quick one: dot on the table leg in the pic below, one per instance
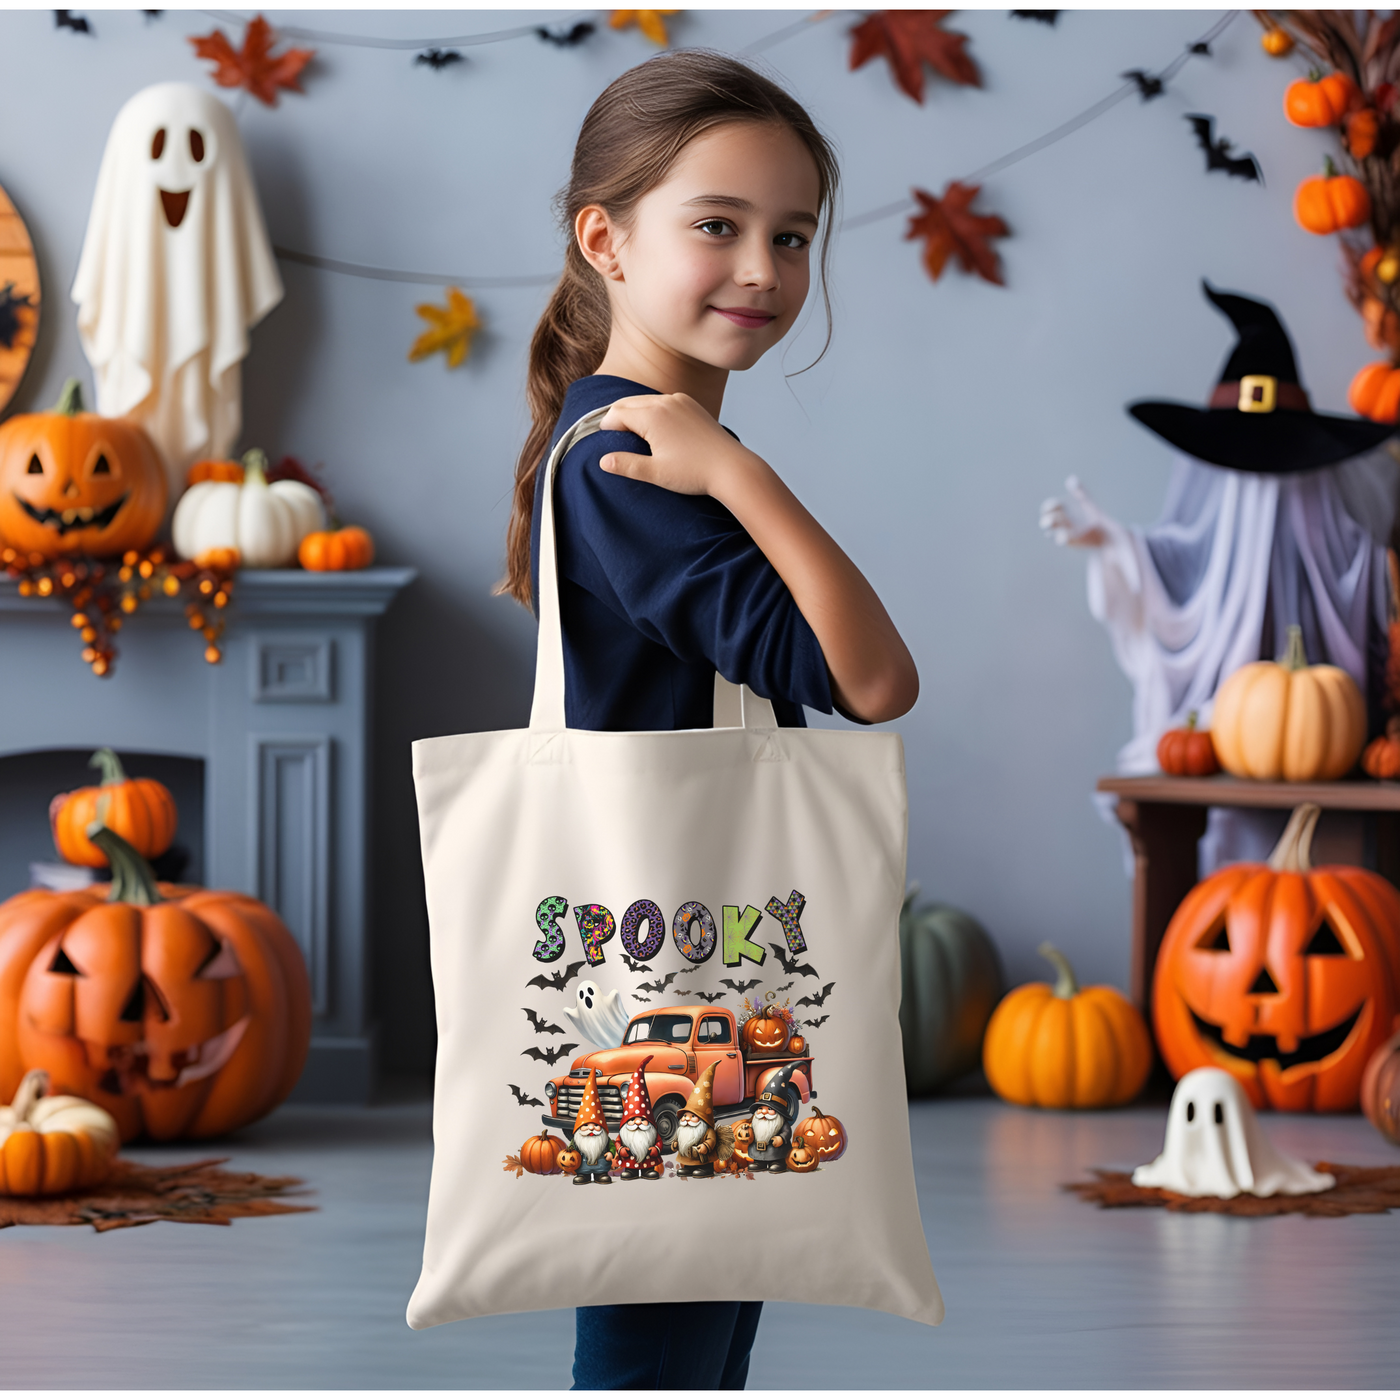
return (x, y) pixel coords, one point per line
(1164, 837)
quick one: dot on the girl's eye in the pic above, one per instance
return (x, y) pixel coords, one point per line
(792, 240)
(717, 227)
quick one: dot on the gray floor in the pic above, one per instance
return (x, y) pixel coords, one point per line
(1042, 1291)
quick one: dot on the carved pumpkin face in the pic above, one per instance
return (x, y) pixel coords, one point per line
(766, 1033)
(743, 1134)
(76, 483)
(184, 1018)
(802, 1159)
(1285, 976)
(569, 1160)
(823, 1135)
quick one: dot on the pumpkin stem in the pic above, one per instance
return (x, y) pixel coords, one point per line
(1294, 850)
(111, 766)
(1328, 169)
(1294, 657)
(1191, 717)
(255, 466)
(133, 881)
(32, 1088)
(70, 401)
(1065, 985)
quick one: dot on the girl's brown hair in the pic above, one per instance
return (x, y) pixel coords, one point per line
(626, 147)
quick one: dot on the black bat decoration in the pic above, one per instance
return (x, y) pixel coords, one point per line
(1148, 87)
(438, 59)
(1218, 156)
(814, 1024)
(739, 988)
(820, 998)
(10, 306)
(66, 19)
(784, 987)
(566, 38)
(635, 966)
(541, 1026)
(557, 980)
(710, 997)
(635, 997)
(791, 964)
(1040, 16)
(658, 986)
(549, 1056)
(1200, 48)
(522, 1098)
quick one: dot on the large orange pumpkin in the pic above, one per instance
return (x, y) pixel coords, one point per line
(1330, 202)
(140, 810)
(182, 1012)
(1319, 101)
(1286, 976)
(76, 483)
(766, 1033)
(1375, 390)
(823, 1134)
(540, 1155)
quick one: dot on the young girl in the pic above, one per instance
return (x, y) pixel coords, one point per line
(697, 192)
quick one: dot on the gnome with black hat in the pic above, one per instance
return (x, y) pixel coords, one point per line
(1276, 515)
(772, 1116)
(591, 1137)
(638, 1151)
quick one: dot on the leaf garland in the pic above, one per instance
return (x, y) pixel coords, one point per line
(650, 22)
(909, 39)
(949, 227)
(450, 328)
(254, 66)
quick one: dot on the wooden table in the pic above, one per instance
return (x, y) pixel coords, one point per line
(1165, 818)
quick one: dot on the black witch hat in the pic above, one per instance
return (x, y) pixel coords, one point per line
(1259, 418)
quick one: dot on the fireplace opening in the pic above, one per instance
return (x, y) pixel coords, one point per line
(29, 781)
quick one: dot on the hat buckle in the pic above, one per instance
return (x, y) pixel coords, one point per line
(1258, 393)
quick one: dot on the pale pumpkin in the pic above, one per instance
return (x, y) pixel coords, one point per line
(1287, 720)
(52, 1145)
(265, 522)
(1063, 1047)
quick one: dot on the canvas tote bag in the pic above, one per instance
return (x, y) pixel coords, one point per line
(667, 921)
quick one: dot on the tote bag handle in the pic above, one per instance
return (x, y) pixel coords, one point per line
(736, 707)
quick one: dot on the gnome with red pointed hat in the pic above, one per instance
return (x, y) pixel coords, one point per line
(638, 1150)
(591, 1137)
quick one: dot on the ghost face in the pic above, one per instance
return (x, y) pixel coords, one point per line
(589, 995)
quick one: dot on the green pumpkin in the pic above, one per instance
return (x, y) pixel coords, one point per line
(951, 978)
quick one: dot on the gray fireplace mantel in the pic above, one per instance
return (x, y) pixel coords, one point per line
(282, 727)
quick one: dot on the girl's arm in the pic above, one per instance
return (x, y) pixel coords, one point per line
(873, 677)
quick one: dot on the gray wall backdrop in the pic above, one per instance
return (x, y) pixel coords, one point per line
(925, 440)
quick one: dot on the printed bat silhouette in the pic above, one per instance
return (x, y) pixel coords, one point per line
(635, 966)
(784, 987)
(66, 19)
(566, 38)
(635, 997)
(812, 1025)
(522, 1098)
(1148, 87)
(820, 997)
(549, 1056)
(541, 1026)
(1218, 157)
(658, 986)
(1040, 16)
(739, 988)
(711, 997)
(438, 59)
(557, 980)
(791, 964)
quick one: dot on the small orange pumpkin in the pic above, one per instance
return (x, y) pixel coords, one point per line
(1360, 132)
(802, 1159)
(743, 1140)
(222, 559)
(1331, 202)
(50, 1146)
(215, 471)
(1375, 391)
(1320, 101)
(1277, 43)
(568, 1160)
(333, 551)
(540, 1155)
(1380, 1089)
(140, 810)
(1382, 756)
(1188, 752)
(797, 1045)
(1381, 323)
(823, 1134)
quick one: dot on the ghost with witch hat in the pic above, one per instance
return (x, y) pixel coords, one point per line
(638, 1150)
(591, 1137)
(1276, 515)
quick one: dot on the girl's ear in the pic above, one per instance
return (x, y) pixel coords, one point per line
(598, 240)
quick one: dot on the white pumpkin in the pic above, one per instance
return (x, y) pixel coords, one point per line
(265, 522)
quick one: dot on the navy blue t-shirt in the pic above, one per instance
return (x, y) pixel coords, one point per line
(658, 591)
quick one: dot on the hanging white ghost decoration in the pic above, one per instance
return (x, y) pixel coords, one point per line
(599, 1017)
(175, 268)
(1215, 1146)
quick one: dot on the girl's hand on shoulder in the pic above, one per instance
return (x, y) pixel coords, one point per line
(690, 452)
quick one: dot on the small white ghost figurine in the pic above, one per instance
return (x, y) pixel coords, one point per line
(1215, 1146)
(175, 268)
(599, 1017)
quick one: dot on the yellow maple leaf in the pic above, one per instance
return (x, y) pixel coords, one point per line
(650, 22)
(450, 328)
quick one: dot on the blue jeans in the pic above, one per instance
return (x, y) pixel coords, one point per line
(664, 1346)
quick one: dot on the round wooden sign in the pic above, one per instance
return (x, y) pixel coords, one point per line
(19, 299)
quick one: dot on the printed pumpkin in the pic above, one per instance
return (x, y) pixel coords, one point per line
(823, 1135)
(140, 810)
(766, 1033)
(1284, 975)
(76, 483)
(540, 1155)
(181, 1012)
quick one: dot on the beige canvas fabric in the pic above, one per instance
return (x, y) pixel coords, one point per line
(541, 843)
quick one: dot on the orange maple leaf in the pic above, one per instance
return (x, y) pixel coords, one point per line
(650, 22)
(254, 66)
(949, 227)
(908, 39)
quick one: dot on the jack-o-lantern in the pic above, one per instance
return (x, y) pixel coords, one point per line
(802, 1158)
(182, 1012)
(1286, 976)
(797, 1045)
(76, 483)
(823, 1134)
(743, 1140)
(540, 1155)
(766, 1033)
(569, 1160)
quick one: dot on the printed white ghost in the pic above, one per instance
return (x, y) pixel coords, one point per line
(599, 1017)
(1215, 1146)
(175, 268)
